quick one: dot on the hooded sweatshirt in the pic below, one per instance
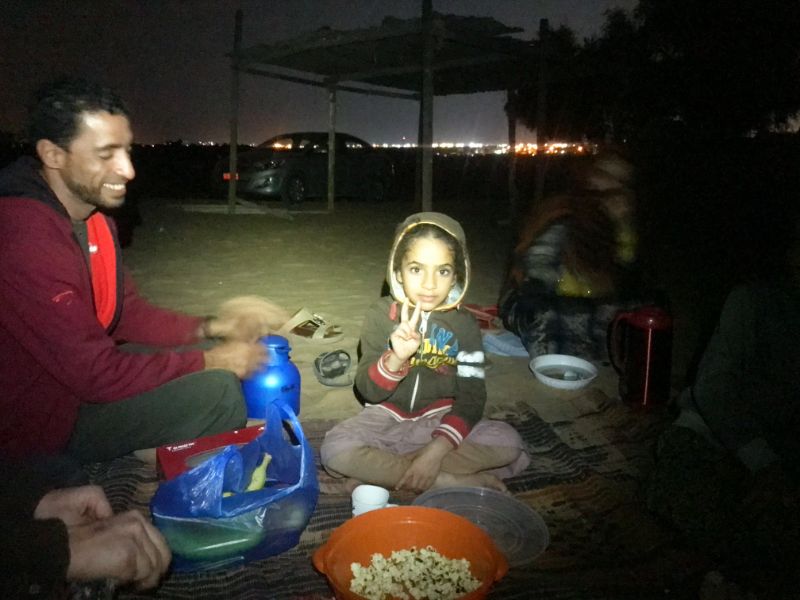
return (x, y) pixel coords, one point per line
(446, 376)
(59, 329)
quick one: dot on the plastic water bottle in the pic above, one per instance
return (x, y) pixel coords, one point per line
(277, 382)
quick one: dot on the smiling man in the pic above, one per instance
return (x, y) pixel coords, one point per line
(67, 305)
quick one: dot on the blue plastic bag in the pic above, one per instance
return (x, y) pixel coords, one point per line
(207, 529)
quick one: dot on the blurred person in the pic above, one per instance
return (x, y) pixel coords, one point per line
(68, 305)
(574, 264)
(55, 536)
(727, 471)
(421, 377)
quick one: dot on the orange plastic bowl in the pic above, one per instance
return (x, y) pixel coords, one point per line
(400, 528)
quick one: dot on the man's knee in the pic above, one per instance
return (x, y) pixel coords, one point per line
(223, 401)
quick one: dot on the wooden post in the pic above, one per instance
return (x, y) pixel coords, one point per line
(541, 111)
(234, 120)
(513, 191)
(426, 109)
(331, 146)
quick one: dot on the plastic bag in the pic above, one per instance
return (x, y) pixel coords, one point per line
(208, 529)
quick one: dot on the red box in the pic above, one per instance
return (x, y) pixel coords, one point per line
(174, 459)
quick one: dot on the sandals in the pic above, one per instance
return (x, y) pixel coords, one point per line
(331, 368)
(311, 327)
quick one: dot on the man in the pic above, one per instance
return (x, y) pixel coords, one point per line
(727, 474)
(51, 536)
(67, 304)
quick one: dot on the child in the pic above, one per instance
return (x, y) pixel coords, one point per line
(421, 377)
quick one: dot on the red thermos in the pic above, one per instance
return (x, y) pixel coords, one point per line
(640, 350)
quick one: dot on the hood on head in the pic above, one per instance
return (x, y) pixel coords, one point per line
(449, 225)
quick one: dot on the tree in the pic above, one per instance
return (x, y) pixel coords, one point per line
(714, 68)
(726, 68)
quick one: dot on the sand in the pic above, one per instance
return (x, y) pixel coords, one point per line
(331, 263)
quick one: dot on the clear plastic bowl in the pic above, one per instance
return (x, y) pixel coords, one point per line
(517, 530)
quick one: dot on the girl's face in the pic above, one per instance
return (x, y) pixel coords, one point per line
(427, 273)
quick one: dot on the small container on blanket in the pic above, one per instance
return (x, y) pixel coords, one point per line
(277, 383)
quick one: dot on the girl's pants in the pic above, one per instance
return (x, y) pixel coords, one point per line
(373, 446)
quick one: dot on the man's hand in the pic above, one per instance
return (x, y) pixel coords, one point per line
(74, 506)
(405, 338)
(425, 467)
(124, 547)
(246, 319)
(242, 358)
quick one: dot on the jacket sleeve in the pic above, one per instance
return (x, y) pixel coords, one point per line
(34, 553)
(374, 381)
(46, 305)
(470, 384)
(142, 322)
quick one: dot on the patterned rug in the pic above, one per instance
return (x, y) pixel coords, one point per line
(585, 481)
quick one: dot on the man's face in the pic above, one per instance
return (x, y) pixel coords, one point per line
(98, 161)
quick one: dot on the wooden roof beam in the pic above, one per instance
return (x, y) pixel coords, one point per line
(439, 66)
(328, 83)
(337, 39)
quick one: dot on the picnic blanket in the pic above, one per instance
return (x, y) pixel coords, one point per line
(585, 480)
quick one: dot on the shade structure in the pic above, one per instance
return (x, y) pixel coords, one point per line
(417, 59)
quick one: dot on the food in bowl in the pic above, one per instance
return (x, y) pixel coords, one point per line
(415, 574)
(401, 528)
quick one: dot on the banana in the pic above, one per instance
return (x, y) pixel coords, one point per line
(259, 477)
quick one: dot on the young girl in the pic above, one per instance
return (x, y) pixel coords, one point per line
(421, 377)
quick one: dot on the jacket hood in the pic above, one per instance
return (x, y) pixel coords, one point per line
(452, 227)
(23, 179)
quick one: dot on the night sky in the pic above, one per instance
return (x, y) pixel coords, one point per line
(167, 59)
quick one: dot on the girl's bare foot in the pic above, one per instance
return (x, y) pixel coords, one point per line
(445, 480)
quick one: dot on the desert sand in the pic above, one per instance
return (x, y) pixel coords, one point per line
(332, 263)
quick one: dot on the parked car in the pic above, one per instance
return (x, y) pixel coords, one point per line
(294, 167)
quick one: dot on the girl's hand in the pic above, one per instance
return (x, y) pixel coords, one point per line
(425, 467)
(405, 338)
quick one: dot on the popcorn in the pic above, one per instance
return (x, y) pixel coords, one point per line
(415, 574)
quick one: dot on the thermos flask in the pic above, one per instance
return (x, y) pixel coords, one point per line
(277, 382)
(640, 350)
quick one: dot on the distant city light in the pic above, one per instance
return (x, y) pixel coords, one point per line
(530, 149)
(526, 149)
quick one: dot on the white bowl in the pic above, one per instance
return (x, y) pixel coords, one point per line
(563, 371)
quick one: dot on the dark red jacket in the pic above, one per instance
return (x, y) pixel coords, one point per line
(54, 352)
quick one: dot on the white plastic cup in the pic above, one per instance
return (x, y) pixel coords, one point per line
(369, 497)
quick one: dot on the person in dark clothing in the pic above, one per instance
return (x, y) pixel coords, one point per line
(574, 264)
(727, 474)
(67, 304)
(52, 536)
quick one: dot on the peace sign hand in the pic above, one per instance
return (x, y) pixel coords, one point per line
(405, 338)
